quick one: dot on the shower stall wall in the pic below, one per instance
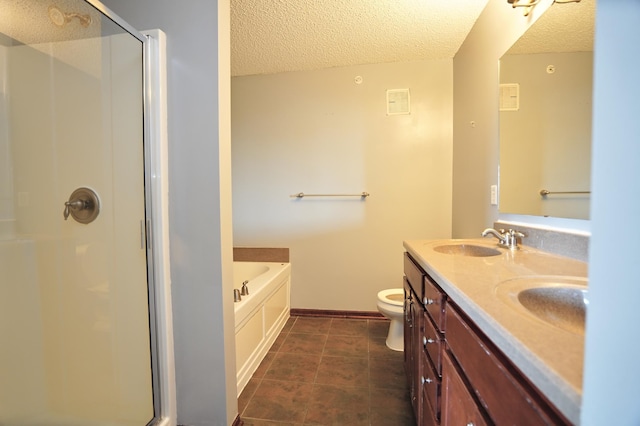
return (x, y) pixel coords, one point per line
(75, 323)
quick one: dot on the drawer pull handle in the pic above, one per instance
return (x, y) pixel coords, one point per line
(427, 380)
(425, 341)
(429, 301)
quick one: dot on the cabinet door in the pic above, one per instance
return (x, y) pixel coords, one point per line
(433, 299)
(414, 275)
(431, 343)
(408, 326)
(505, 394)
(430, 383)
(458, 406)
(412, 332)
(428, 416)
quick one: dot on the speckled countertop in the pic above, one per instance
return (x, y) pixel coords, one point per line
(549, 356)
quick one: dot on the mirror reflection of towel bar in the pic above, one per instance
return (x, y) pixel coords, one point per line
(544, 192)
(302, 195)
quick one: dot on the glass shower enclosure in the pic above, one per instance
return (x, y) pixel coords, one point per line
(75, 326)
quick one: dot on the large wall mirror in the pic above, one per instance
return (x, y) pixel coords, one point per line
(546, 81)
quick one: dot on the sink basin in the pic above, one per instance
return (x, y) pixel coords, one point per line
(558, 301)
(563, 307)
(467, 250)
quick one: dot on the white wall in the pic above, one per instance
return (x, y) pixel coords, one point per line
(199, 200)
(320, 132)
(612, 372)
(475, 113)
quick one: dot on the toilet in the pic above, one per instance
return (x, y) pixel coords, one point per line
(391, 305)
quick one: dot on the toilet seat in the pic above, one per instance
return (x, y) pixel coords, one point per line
(391, 305)
(392, 296)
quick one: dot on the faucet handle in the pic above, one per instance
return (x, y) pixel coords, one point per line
(508, 238)
(515, 233)
(511, 238)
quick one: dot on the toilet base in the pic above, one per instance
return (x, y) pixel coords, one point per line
(395, 338)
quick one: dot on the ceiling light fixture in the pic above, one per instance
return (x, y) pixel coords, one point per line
(528, 5)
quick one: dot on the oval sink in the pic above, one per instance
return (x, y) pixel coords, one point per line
(563, 307)
(467, 250)
(558, 301)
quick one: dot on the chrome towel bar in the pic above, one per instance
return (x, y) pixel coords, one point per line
(544, 192)
(302, 195)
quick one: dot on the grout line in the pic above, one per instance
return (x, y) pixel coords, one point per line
(323, 354)
(315, 377)
(267, 366)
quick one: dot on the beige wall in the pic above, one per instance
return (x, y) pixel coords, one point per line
(475, 113)
(6, 178)
(320, 132)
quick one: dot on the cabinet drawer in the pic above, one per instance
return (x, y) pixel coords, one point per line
(428, 416)
(433, 300)
(430, 382)
(414, 274)
(432, 343)
(498, 386)
(458, 406)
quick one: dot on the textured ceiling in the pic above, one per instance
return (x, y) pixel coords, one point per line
(562, 28)
(271, 36)
(29, 22)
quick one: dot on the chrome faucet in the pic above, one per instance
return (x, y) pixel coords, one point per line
(507, 239)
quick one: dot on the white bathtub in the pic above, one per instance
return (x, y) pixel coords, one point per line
(260, 316)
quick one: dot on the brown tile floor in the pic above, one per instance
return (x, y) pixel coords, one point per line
(329, 371)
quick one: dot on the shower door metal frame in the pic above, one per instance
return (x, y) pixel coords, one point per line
(156, 217)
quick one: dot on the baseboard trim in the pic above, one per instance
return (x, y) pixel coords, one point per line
(328, 313)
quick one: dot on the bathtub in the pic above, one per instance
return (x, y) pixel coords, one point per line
(261, 315)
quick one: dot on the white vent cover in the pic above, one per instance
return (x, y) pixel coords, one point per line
(510, 97)
(398, 102)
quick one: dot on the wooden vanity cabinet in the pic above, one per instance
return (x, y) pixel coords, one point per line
(502, 393)
(424, 327)
(455, 373)
(458, 405)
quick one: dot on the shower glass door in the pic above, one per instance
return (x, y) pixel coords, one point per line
(74, 308)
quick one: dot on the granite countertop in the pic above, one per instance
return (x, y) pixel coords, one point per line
(552, 358)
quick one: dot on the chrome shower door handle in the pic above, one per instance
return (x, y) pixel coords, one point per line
(83, 205)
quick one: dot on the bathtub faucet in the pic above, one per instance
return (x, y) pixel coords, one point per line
(245, 289)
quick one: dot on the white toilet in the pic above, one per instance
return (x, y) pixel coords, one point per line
(391, 305)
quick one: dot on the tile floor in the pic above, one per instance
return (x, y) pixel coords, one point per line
(329, 371)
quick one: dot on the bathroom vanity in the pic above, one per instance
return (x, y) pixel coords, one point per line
(492, 335)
